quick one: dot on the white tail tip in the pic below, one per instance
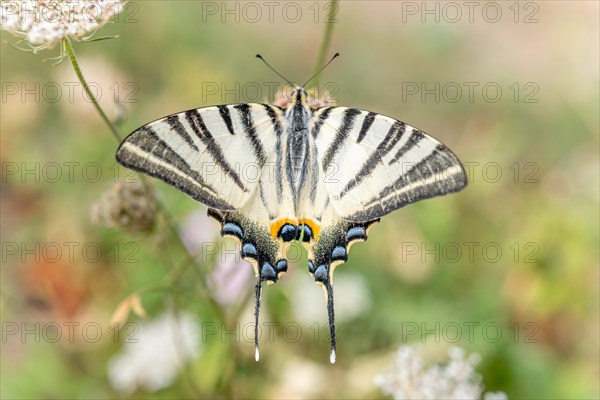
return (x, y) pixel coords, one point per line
(332, 357)
(256, 355)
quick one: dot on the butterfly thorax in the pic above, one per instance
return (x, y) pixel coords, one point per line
(297, 117)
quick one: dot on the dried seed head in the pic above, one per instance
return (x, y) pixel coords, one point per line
(126, 206)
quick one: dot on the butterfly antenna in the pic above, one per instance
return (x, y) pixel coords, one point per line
(256, 313)
(329, 289)
(322, 68)
(273, 69)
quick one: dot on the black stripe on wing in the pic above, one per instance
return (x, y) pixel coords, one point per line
(250, 131)
(430, 177)
(180, 130)
(224, 111)
(194, 118)
(146, 146)
(366, 125)
(343, 131)
(415, 137)
(323, 115)
(278, 133)
(385, 146)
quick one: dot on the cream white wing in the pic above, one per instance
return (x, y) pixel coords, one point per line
(213, 154)
(373, 164)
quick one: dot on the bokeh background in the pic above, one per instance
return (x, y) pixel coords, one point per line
(507, 269)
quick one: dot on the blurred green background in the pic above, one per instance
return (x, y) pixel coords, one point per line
(508, 268)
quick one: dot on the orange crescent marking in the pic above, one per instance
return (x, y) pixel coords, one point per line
(314, 227)
(276, 226)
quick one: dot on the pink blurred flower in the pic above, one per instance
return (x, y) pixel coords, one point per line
(230, 277)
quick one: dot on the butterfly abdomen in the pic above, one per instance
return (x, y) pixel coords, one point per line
(297, 119)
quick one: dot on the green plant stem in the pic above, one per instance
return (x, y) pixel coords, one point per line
(71, 53)
(190, 260)
(324, 44)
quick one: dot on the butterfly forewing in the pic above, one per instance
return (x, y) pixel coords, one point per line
(376, 164)
(214, 154)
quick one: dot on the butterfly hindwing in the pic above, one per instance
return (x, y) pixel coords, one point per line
(330, 249)
(333, 246)
(214, 154)
(251, 226)
(265, 253)
(377, 164)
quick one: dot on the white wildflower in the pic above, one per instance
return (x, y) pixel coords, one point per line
(411, 378)
(155, 353)
(42, 23)
(495, 396)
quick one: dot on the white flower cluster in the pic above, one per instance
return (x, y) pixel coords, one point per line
(44, 22)
(155, 353)
(410, 378)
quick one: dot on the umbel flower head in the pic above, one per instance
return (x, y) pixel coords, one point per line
(43, 23)
(411, 378)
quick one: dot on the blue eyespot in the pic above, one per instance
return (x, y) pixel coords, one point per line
(249, 250)
(287, 232)
(339, 253)
(281, 266)
(355, 233)
(232, 229)
(267, 272)
(321, 274)
(311, 267)
(308, 234)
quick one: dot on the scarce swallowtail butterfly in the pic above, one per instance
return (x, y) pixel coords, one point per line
(325, 175)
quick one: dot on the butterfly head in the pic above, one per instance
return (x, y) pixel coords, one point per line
(299, 96)
(309, 99)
